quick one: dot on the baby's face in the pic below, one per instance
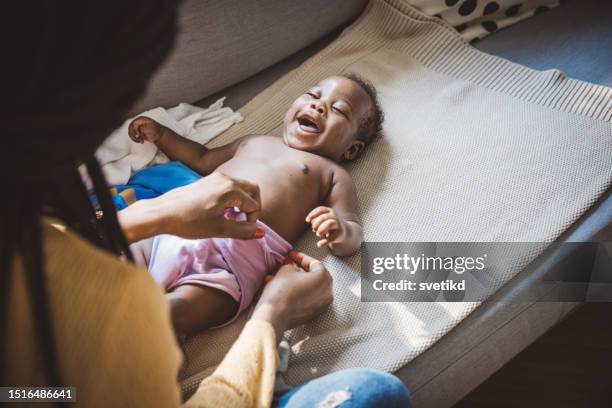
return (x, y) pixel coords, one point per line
(325, 120)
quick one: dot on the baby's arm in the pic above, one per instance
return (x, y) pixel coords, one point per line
(337, 222)
(176, 147)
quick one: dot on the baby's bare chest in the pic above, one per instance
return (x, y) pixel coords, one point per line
(282, 173)
(278, 161)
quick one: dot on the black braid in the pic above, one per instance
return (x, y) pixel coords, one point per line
(69, 201)
(84, 66)
(66, 198)
(112, 234)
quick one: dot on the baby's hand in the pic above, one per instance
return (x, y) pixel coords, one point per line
(143, 128)
(326, 224)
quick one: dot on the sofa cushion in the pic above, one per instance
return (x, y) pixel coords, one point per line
(225, 41)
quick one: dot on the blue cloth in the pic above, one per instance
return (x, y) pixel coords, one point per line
(157, 180)
(358, 387)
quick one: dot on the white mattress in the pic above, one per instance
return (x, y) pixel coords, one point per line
(411, 187)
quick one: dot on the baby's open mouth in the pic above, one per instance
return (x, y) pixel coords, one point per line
(307, 124)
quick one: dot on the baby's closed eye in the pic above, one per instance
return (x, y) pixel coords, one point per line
(340, 111)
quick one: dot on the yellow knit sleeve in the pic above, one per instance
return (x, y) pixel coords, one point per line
(245, 377)
(115, 339)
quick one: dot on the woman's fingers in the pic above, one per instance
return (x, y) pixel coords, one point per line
(304, 261)
(250, 188)
(247, 198)
(300, 259)
(245, 203)
(197, 210)
(242, 229)
(293, 297)
(244, 195)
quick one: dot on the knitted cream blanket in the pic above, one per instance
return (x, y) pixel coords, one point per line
(474, 148)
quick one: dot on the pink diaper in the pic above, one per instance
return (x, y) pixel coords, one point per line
(234, 266)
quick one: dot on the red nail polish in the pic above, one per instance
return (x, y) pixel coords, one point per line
(287, 261)
(260, 233)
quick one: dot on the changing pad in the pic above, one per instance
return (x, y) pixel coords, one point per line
(474, 148)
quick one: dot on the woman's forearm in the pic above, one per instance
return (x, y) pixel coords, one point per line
(245, 377)
(143, 219)
(195, 211)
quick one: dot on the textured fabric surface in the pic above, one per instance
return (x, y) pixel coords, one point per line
(474, 148)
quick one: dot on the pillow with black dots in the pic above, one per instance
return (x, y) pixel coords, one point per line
(476, 19)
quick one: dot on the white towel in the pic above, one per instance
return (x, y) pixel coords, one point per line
(120, 158)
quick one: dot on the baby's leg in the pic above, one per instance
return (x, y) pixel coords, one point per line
(194, 308)
(141, 251)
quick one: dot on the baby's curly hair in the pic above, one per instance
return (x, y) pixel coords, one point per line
(371, 125)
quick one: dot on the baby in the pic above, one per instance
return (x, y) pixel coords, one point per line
(210, 281)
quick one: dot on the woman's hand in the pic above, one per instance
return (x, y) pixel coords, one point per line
(297, 293)
(196, 211)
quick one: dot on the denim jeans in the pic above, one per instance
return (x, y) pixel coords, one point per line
(353, 388)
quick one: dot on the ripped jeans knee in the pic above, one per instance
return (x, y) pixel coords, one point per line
(352, 388)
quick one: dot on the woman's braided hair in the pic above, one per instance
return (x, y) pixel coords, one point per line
(74, 70)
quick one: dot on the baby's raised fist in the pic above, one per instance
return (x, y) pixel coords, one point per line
(143, 128)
